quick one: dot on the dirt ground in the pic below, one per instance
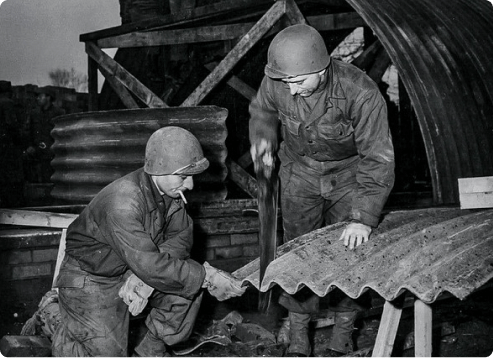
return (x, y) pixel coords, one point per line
(460, 328)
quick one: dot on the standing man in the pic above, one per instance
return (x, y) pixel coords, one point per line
(336, 156)
(39, 154)
(130, 246)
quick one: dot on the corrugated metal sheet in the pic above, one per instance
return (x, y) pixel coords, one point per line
(425, 251)
(442, 49)
(92, 149)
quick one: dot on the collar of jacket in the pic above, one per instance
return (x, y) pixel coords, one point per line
(333, 84)
(161, 202)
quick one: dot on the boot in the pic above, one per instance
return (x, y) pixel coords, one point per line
(342, 333)
(151, 346)
(299, 345)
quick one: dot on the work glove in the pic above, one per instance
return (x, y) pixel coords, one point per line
(135, 294)
(263, 157)
(221, 284)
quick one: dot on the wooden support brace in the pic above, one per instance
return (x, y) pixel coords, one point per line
(244, 180)
(293, 13)
(122, 75)
(237, 84)
(387, 330)
(121, 90)
(232, 58)
(422, 329)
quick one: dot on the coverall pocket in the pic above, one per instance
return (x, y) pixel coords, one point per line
(292, 125)
(335, 131)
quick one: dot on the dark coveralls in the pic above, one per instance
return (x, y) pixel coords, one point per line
(127, 226)
(336, 154)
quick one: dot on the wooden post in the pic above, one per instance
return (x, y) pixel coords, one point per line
(387, 330)
(422, 329)
(92, 78)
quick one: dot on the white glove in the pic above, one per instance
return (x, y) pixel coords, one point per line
(221, 284)
(135, 294)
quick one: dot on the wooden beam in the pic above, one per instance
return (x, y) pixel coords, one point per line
(293, 13)
(124, 77)
(387, 329)
(367, 57)
(175, 37)
(188, 16)
(92, 78)
(122, 92)
(422, 329)
(382, 62)
(36, 218)
(244, 180)
(245, 160)
(234, 82)
(245, 44)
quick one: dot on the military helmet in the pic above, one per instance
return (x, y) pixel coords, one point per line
(174, 150)
(296, 50)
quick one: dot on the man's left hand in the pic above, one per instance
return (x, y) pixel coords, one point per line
(355, 234)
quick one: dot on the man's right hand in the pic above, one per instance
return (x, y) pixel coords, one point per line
(221, 284)
(262, 155)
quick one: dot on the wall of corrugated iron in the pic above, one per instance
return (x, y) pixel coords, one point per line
(92, 149)
(443, 51)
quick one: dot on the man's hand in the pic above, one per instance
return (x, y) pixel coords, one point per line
(262, 154)
(135, 294)
(221, 284)
(355, 234)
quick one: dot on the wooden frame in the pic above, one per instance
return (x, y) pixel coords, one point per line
(156, 32)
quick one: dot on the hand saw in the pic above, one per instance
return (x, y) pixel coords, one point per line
(268, 188)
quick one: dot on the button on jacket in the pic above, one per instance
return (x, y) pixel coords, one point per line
(348, 122)
(130, 226)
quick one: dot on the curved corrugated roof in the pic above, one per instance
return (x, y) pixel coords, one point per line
(426, 252)
(442, 50)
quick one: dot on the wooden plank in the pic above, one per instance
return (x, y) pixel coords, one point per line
(244, 180)
(293, 13)
(60, 256)
(122, 75)
(422, 329)
(187, 16)
(36, 218)
(175, 37)
(120, 90)
(234, 82)
(245, 44)
(92, 79)
(476, 193)
(382, 62)
(245, 160)
(387, 330)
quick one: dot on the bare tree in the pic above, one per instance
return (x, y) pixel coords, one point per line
(69, 79)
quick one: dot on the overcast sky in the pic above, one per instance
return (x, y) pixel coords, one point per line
(37, 36)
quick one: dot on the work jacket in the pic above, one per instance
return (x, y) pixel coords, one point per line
(347, 124)
(130, 226)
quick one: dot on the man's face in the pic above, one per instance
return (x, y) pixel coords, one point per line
(43, 99)
(171, 185)
(304, 85)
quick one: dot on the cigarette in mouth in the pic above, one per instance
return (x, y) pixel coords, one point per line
(182, 196)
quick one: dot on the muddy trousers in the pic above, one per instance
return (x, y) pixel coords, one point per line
(300, 311)
(95, 320)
